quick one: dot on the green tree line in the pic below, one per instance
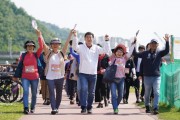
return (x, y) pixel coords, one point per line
(16, 28)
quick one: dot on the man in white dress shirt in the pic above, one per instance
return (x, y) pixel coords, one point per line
(89, 54)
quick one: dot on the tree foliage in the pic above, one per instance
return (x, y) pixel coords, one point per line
(15, 26)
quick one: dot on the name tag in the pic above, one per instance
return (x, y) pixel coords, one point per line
(126, 70)
(55, 67)
(29, 69)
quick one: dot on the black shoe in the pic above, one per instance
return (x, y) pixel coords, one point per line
(26, 110)
(124, 101)
(89, 111)
(138, 101)
(53, 112)
(40, 92)
(100, 105)
(48, 102)
(44, 102)
(83, 111)
(71, 102)
(148, 109)
(142, 99)
(155, 111)
(32, 110)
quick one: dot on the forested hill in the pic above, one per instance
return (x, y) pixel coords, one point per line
(15, 27)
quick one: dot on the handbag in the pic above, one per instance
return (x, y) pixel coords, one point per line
(109, 74)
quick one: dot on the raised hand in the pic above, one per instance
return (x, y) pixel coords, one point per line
(74, 32)
(134, 42)
(38, 32)
(106, 37)
(166, 37)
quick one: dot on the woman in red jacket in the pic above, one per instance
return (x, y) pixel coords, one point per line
(30, 75)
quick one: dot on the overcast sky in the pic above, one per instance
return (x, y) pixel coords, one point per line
(121, 18)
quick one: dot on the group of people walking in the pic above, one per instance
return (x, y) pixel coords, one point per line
(84, 72)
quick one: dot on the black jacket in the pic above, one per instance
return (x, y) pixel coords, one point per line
(130, 65)
(152, 61)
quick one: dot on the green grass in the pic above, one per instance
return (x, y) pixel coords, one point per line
(166, 112)
(10, 111)
(132, 90)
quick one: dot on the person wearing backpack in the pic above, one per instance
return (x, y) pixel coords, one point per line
(28, 71)
(55, 70)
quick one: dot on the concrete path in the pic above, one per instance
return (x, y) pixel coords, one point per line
(72, 112)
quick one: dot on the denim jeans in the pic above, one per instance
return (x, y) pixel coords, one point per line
(117, 95)
(149, 82)
(34, 85)
(78, 88)
(88, 85)
(58, 85)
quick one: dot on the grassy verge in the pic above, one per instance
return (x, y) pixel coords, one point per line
(166, 112)
(132, 90)
(10, 111)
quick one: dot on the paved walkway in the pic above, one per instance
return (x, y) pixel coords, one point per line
(72, 112)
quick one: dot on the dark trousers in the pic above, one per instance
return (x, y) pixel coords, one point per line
(72, 89)
(56, 84)
(142, 88)
(101, 89)
(67, 86)
(129, 82)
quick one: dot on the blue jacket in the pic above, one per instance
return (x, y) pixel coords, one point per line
(75, 55)
(152, 61)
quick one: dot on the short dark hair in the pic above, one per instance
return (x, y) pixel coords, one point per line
(89, 33)
(99, 45)
(80, 43)
(70, 42)
(29, 41)
(141, 47)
